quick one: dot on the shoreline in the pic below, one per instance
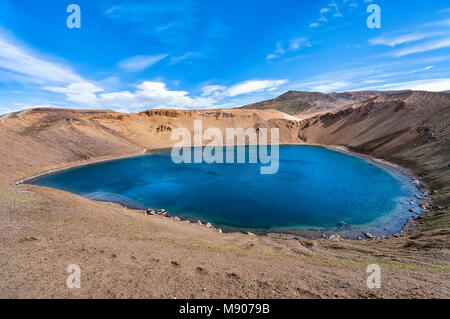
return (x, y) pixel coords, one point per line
(309, 232)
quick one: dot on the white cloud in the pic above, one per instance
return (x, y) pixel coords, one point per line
(247, 87)
(209, 90)
(253, 86)
(80, 92)
(186, 56)
(22, 65)
(140, 62)
(440, 23)
(279, 52)
(402, 39)
(420, 70)
(434, 85)
(148, 94)
(298, 43)
(423, 47)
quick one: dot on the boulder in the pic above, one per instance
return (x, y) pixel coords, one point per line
(370, 236)
(335, 238)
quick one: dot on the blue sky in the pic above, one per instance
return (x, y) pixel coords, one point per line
(134, 55)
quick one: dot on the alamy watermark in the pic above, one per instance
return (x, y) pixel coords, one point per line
(374, 20)
(74, 19)
(374, 278)
(193, 150)
(74, 279)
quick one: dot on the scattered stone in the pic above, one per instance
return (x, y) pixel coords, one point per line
(150, 211)
(220, 230)
(250, 234)
(335, 238)
(420, 155)
(369, 235)
(411, 210)
(208, 225)
(113, 256)
(203, 289)
(447, 164)
(174, 263)
(177, 219)
(200, 223)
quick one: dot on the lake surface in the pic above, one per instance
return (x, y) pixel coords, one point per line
(316, 190)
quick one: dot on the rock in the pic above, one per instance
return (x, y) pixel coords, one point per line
(447, 164)
(219, 230)
(360, 238)
(411, 210)
(161, 212)
(177, 219)
(200, 223)
(150, 211)
(250, 234)
(208, 225)
(420, 155)
(335, 238)
(369, 235)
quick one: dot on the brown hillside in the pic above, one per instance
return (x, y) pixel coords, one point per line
(124, 253)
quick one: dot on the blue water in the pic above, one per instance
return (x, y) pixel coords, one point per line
(315, 189)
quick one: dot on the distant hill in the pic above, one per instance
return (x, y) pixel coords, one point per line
(300, 102)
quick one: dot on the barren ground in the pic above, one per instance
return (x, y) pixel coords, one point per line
(124, 253)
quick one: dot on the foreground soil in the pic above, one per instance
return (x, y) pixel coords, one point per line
(124, 253)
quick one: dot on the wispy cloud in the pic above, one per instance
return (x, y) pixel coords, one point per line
(154, 94)
(80, 92)
(423, 47)
(242, 88)
(168, 20)
(279, 52)
(420, 70)
(184, 57)
(294, 45)
(140, 62)
(434, 85)
(332, 10)
(23, 65)
(393, 41)
(148, 94)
